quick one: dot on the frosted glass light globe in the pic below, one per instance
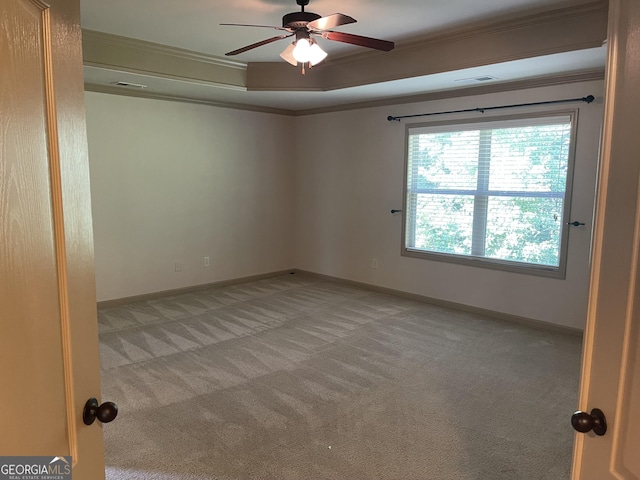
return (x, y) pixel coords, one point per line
(302, 50)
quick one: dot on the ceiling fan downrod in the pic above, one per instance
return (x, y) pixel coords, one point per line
(299, 19)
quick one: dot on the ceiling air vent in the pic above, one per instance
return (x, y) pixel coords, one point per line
(483, 78)
(129, 84)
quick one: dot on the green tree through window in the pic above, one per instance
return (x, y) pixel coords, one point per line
(494, 190)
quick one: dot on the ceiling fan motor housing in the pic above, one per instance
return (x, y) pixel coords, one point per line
(298, 19)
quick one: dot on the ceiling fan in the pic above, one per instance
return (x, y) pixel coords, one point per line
(304, 25)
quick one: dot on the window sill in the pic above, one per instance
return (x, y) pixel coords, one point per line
(548, 271)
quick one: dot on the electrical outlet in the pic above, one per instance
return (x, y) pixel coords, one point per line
(374, 263)
(178, 267)
(206, 262)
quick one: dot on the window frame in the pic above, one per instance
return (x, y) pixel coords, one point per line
(558, 272)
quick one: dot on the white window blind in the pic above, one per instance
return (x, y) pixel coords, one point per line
(489, 190)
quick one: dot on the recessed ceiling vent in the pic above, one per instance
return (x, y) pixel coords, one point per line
(130, 85)
(483, 78)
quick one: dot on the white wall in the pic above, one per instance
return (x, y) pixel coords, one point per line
(350, 175)
(175, 182)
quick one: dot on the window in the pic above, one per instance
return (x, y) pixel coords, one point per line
(491, 193)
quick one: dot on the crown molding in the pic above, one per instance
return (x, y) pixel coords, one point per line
(93, 36)
(114, 52)
(538, 82)
(542, 17)
(112, 90)
(593, 75)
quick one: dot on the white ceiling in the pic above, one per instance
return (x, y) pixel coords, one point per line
(194, 25)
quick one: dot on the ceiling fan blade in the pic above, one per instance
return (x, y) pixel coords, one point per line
(258, 44)
(259, 26)
(368, 42)
(330, 21)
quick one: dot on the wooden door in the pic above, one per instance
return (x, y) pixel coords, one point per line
(611, 360)
(48, 330)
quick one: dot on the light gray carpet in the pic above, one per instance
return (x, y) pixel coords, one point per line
(300, 378)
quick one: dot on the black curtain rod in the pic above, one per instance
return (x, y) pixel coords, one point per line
(587, 99)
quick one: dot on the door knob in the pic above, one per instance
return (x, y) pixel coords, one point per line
(584, 422)
(105, 412)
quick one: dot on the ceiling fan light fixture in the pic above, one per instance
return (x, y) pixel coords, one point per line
(287, 55)
(316, 54)
(302, 50)
(312, 54)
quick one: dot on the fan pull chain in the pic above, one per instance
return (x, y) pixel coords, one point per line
(303, 72)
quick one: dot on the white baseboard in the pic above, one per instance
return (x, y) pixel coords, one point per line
(530, 322)
(194, 288)
(539, 324)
